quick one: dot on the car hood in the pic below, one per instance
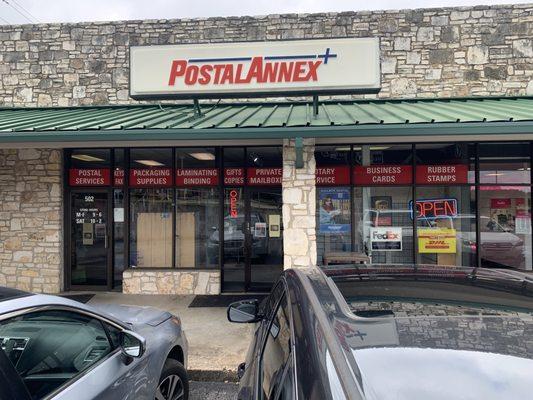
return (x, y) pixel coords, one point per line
(135, 315)
(404, 373)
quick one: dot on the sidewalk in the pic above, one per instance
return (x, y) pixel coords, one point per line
(214, 343)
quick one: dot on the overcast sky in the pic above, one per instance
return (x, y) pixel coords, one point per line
(23, 11)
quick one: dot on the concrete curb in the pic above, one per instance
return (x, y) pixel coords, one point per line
(224, 375)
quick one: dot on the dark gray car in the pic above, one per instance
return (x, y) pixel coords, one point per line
(56, 348)
(391, 333)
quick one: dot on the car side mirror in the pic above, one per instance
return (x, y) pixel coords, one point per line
(132, 344)
(244, 311)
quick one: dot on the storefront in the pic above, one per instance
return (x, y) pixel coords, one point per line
(171, 208)
(205, 156)
(472, 202)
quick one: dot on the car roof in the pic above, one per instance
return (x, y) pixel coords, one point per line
(329, 312)
(9, 293)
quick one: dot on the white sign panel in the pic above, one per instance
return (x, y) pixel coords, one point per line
(255, 68)
(386, 239)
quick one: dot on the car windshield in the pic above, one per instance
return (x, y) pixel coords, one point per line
(8, 294)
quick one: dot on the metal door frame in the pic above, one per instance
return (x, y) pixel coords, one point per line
(68, 239)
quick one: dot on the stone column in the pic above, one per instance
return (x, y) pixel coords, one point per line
(299, 206)
(31, 214)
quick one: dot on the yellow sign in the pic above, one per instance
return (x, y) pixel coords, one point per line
(437, 240)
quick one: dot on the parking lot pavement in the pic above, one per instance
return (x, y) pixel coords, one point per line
(212, 391)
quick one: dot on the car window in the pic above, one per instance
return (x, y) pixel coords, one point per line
(50, 348)
(286, 389)
(276, 351)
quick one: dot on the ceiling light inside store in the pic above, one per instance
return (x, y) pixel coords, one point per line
(150, 163)
(347, 148)
(86, 157)
(372, 148)
(203, 156)
(495, 174)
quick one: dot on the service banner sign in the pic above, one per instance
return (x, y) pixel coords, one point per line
(386, 239)
(89, 177)
(332, 176)
(118, 177)
(437, 240)
(214, 70)
(441, 174)
(264, 176)
(151, 177)
(196, 177)
(383, 175)
(234, 176)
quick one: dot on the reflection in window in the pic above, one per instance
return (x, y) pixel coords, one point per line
(505, 227)
(197, 236)
(446, 225)
(383, 224)
(504, 163)
(151, 228)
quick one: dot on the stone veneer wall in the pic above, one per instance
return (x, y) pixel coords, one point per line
(443, 52)
(299, 206)
(145, 281)
(31, 250)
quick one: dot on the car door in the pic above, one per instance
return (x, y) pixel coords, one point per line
(64, 354)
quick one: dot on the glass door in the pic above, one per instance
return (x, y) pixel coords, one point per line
(265, 237)
(90, 239)
(234, 251)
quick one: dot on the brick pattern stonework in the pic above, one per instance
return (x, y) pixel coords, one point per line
(30, 220)
(145, 281)
(476, 51)
(299, 206)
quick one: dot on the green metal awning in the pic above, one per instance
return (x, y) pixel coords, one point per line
(476, 116)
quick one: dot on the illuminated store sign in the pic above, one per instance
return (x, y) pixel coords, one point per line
(346, 65)
(435, 208)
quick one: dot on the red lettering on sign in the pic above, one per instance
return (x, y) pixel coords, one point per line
(500, 203)
(196, 177)
(89, 177)
(151, 177)
(330, 176)
(234, 176)
(383, 175)
(434, 208)
(257, 70)
(233, 201)
(264, 176)
(442, 174)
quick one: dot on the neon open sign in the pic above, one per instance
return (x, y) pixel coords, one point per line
(434, 208)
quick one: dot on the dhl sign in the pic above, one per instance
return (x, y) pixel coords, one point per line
(330, 66)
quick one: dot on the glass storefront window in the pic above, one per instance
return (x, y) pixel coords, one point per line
(197, 235)
(505, 227)
(118, 236)
(383, 154)
(151, 227)
(383, 224)
(503, 163)
(332, 155)
(262, 157)
(446, 225)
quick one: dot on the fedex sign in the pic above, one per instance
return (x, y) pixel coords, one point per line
(255, 68)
